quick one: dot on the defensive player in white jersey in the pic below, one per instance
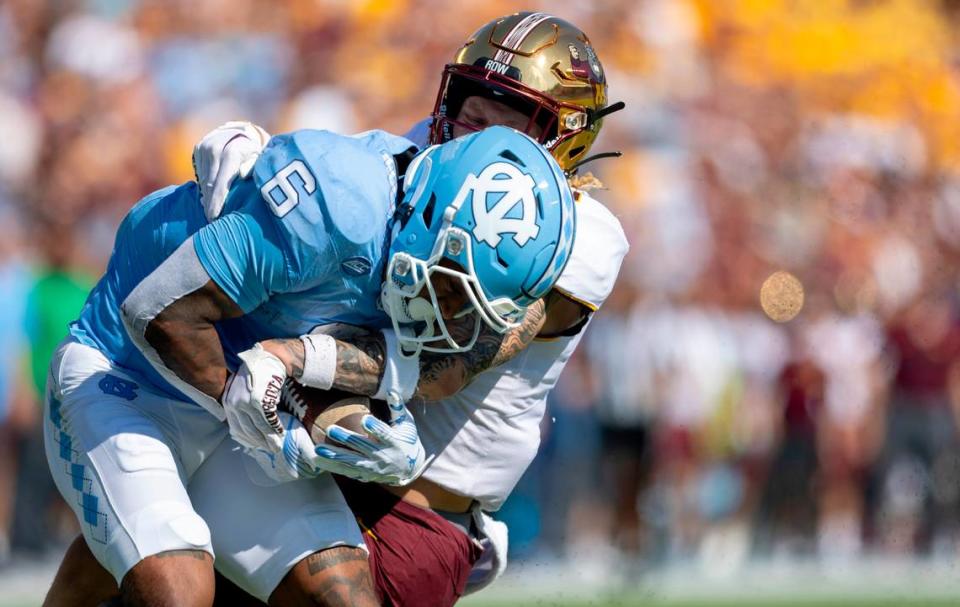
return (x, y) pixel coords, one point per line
(483, 437)
(187, 311)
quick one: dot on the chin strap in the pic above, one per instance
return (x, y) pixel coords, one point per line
(573, 169)
(592, 117)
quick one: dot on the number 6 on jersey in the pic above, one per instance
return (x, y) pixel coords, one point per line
(282, 192)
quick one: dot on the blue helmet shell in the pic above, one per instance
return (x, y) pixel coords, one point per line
(506, 198)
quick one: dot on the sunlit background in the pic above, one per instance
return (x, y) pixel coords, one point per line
(695, 450)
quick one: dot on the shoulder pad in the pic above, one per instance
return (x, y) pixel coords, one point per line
(598, 251)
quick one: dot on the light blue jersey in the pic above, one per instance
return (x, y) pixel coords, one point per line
(302, 243)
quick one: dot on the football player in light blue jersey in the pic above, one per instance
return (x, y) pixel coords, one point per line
(311, 255)
(187, 311)
(481, 440)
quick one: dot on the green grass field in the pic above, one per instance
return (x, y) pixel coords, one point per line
(863, 583)
(866, 582)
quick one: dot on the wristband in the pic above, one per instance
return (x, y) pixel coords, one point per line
(319, 361)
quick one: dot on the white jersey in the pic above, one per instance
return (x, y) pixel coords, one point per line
(485, 437)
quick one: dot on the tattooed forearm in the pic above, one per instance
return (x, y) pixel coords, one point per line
(443, 375)
(440, 376)
(290, 351)
(361, 356)
(345, 590)
(360, 362)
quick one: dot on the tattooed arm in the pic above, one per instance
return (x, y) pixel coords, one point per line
(443, 375)
(360, 357)
(361, 354)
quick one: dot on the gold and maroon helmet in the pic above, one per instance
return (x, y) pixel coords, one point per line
(538, 64)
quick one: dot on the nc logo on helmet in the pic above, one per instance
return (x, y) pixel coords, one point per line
(516, 188)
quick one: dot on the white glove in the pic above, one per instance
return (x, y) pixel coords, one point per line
(495, 539)
(296, 460)
(251, 398)
(225, 153)
(393, 454)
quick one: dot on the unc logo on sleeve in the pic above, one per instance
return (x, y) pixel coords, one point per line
(514, 212)
(111, 385)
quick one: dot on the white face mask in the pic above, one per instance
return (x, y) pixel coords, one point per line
(408, 281)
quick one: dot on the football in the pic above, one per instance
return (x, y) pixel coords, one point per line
(319, 409)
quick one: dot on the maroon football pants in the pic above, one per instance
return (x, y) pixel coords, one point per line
(417, 557)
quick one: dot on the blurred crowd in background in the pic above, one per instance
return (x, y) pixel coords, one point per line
(820, 137)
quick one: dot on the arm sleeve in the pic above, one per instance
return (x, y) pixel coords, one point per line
(598, 252)
(179, 275)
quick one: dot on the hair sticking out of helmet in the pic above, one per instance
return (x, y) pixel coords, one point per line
(539, 65)
(486, 221)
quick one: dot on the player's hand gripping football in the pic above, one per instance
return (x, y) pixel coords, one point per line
(296, 460)
(224, 154)
(251, 397)
(392, 454)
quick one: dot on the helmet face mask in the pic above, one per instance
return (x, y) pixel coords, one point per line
(410, 278)
(461, 82)
(489, 213)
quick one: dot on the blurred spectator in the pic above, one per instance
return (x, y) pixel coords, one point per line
(921, 453)
(16, 410)
(575, 525)
(788, 509)
(55, 299)
(848, 350)
(624, 376)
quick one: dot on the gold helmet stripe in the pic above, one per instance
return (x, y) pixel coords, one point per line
(517, 35)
